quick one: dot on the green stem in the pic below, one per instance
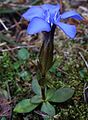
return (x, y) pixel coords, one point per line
(43, 87)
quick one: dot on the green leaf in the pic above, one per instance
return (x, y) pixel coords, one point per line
(82, 73)
(56, 64)
(58, 74)
(16, 65)
(48, 108)
(36, 87)
(4, 94)
(24, 75)
(62, 95)
(50, 93)
(23, 54)
(36, 99)
(25, 106)
(3, 118)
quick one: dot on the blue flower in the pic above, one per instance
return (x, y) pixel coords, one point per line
(44, 16)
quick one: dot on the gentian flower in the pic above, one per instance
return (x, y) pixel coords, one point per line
(44, 16)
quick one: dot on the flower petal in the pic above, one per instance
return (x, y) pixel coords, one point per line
(69, 30)
(51, 12)
(72, 14)
(35, 11)
(38, 25)
(52, 8)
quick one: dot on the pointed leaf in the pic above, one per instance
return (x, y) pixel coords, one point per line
(48, 108)
(25, 106)
(36, 99)
(62, 95)
(46, 54)
(36, 87)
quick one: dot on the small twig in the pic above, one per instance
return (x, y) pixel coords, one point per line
(5, 112)
(60, 70)
(43, 114)
(78, 47)
(61, 5)
(8, 89)
(7, 103)
(2, 44)
(16, 23)
(86, 63)
(20, 22)
(13, 26)
(61, 8)
(18, 47)
(9, 95)
(3, 25)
